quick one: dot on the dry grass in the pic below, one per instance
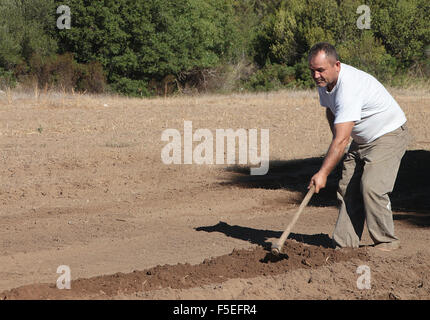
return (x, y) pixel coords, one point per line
(296, 121)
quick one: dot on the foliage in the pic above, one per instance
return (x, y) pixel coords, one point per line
(143, 40)
(368, 54)
(62, 71)
(404, 28)
(7, 79)
(147, 47)
(25, 27)
(390, 48)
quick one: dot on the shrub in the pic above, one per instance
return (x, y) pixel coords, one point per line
(62, 71)
(271, 77)
(129, 87)
(7, 79)
(368, 54)
(92, 78)
(303, 75)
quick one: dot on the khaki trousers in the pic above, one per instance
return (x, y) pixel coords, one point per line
(368, 176)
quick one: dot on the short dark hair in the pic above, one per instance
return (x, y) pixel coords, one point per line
(329, 50)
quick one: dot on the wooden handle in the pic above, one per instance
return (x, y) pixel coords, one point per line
(278, 246)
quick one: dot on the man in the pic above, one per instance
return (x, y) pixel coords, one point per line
(358, 106)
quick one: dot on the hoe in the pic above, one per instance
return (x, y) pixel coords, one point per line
(276, 247)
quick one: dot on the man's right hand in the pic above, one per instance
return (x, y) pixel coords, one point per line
(319, 180)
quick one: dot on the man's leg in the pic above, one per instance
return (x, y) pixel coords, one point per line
(350, 222)
(382, 161)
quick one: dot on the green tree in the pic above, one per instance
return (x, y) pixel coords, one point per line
(403, 26)
(146, 39)
(286, 35)
(399, 32)
(368, 54)
(25, 27)
(276, 40)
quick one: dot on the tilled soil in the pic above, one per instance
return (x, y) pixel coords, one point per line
(240, 263)
(82, 184)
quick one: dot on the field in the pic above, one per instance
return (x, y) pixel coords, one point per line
(83, 185)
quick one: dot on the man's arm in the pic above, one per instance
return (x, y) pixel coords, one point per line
(330, 118)
(341, 135)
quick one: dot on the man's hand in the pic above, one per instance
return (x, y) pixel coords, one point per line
(319, 180)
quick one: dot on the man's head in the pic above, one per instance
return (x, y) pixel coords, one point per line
(324, 64)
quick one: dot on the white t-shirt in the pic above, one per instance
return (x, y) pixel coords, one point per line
(359, 97)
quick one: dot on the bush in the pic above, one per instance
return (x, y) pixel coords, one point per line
(7, 79)
(368, 54)
(271, 77)
(129, 87)
(92, 78)
(62, 71)
(303, 75)
(54, 71)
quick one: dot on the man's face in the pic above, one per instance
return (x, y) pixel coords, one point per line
(324, 70)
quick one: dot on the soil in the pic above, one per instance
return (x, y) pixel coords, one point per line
(241, 263)
(82, 184)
